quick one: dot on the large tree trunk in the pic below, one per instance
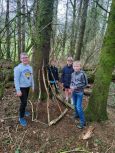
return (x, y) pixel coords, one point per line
(82, 29)
(42, 40)
(97, 107)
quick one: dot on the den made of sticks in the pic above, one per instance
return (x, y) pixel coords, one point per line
(57, 76)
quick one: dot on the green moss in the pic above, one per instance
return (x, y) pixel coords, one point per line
(1, 90)
(97, 107)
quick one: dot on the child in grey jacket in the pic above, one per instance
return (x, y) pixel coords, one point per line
(23, 80)
(78, 83)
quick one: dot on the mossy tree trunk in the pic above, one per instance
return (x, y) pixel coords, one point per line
(42, 37)
(97, 107)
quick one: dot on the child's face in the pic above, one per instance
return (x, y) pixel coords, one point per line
(24, 59)
(76, 67)
(69, 62)
(53, 63)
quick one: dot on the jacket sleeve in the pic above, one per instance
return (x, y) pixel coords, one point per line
(57, 79)
(62, 76)
(17, 79)
(84, 81)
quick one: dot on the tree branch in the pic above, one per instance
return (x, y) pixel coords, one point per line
(71, 3)
(101, 6)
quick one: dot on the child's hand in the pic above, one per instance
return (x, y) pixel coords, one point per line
(19, 93)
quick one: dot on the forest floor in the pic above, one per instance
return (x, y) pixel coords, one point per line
(63, 137)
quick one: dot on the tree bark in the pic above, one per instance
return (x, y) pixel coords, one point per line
(72, 41)
(97, 107)
(19, 27)
(41, 40)
(7, 32)
(82, 29)
(23, 27)
(65, 30)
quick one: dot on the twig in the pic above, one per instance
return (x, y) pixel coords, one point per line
(10, 135)
(22, 139)
(110, 147)
(58, 118)
(32, 110)
(54, 95)
(11, 117)
(40, 122)
(47, 93)
(76, 150)
(16, 128)
(66, 103)
(39, 96)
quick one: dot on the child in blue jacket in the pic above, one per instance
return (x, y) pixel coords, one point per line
(23, 80)
(66, 77)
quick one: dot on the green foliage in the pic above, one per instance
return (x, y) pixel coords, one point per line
(17, 150)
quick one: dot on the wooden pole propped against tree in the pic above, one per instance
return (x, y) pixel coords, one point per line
(46, 85)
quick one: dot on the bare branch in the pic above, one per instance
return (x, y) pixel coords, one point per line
(101, 6)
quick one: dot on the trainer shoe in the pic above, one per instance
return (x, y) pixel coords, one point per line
(22, 121)
(79, 126)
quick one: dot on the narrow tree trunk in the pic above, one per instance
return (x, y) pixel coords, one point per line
(104, 22)
(72, 40)
(0, 49)
(54, 27)
(23, 26)
(97, 107)
(19, 27)
(7, 32)
(65, 30)
(15, 45)
(82, 29)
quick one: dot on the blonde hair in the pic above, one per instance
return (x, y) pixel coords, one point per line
(76, 63)
(23, 54)
(70, 58)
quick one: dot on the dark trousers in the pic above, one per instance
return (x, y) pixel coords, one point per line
(23, 98)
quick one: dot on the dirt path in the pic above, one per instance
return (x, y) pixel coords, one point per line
(39, 138)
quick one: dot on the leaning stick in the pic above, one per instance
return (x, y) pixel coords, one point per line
(58, 118)
(47, 94)
(65, 103)
(55, 97)
(39, 96)
(32, 108)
